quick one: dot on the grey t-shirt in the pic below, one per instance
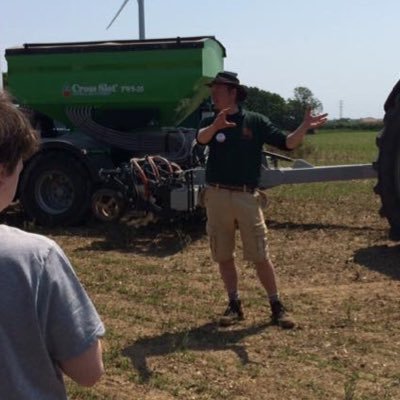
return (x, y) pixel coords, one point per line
(45, 316)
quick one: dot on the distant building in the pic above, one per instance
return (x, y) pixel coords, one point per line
(370, 121)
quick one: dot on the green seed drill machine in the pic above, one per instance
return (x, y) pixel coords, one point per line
(118, 123)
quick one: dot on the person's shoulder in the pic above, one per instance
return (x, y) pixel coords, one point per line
(23, 236)
(209, 119)
(255, 116)
(250, 114)
(16, 241)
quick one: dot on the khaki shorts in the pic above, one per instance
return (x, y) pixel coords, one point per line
(227, 210)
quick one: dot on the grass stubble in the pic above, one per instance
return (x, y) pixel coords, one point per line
(159, 293)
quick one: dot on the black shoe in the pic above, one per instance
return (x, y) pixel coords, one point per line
(232, 314)
(280, 317)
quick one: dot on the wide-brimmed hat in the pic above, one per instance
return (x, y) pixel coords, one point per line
(230, 79)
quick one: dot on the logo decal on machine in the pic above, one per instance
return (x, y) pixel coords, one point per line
(101, 89)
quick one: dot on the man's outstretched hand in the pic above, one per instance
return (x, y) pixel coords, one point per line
(221, 122)
(314, 121)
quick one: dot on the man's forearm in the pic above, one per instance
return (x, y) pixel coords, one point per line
(206, 134)
(295, 138)
(310, 122)
(86, 368)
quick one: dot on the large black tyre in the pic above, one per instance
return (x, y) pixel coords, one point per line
(388, 165)
(55, 190)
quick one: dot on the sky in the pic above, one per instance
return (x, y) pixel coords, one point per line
(345, 51)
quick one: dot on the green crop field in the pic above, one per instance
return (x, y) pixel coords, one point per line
(341, 147)
(333, 148)
(159, 294)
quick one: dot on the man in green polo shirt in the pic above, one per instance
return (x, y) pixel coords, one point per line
(235, 138)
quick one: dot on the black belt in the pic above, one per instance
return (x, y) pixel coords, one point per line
(239, 188)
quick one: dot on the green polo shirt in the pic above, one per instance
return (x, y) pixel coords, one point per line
(235, 153)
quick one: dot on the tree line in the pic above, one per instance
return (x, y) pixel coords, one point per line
(286, 114)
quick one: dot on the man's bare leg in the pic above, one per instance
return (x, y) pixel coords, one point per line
(266, 274)
(234, 311)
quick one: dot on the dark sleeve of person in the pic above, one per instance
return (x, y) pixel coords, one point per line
(204, 123)
(271, 134)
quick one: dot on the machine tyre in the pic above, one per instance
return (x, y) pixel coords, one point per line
(55, 190)
(388, 169)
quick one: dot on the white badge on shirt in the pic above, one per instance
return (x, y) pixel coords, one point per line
(220, 137)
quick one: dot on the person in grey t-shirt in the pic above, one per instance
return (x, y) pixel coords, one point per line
(48, 324)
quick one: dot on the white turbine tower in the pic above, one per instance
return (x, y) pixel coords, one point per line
(141, 17)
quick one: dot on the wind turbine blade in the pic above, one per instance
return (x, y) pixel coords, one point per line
(119, 12)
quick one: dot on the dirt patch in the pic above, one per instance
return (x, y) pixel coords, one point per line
(159, 294)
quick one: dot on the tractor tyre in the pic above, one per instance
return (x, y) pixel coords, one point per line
(55, 190)
(388, 169)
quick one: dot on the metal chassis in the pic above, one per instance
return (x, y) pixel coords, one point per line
(303, 172)
(300, 172)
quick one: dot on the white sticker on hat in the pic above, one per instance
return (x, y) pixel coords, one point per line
(220, 137)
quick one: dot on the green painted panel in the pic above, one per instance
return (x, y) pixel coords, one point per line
(165, 80)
